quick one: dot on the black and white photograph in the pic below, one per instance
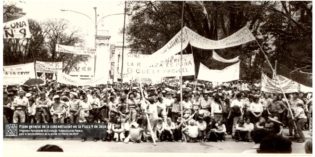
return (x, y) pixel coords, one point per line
(115, 77)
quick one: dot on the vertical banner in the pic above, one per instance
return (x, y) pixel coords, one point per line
(16, 29)
(18, 74)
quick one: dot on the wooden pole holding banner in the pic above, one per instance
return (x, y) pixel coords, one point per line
(35, 69)
(146, 114)
(274, 72)
(181, 61)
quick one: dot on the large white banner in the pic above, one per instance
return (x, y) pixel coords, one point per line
(227, 74)
(70, 80)
(165, 68)
(215, 56)
(48, 67)
(288, 86)
(77, 50)
(16, 29)
(186, 36)
(18, 74)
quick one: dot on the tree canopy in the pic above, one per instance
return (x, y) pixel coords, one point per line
(41, 45)
(284, 29)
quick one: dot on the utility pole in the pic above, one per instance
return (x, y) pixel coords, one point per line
(95, 44)
(123, 46)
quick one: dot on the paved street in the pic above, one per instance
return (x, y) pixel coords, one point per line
(76, 146)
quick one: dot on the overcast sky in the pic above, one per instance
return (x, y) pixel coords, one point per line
(42, 10)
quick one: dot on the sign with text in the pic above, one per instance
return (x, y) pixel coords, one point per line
(48, 67)
(18, 74)
(165, 68)
(70, 80)
(76, 50)
(187, 36)
(16, 29)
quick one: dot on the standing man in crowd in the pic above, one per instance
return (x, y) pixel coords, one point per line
(58, 110)
(20, 103)
(236, 111)
(42, 108)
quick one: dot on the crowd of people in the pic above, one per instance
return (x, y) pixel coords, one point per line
(139, 113)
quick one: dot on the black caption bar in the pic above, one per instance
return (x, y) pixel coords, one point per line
(62, 130)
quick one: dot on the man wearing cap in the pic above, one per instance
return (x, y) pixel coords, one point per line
(20, 104)
(58, 110)
(42, 108)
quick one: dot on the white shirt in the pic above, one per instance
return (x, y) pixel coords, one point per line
(153, 110)
(300, 112)
(249, 127)
(168, 101)
(187, 105)
(20, 102)
(215, 108)
(238, 103)
(205, 103)
(255, 107)
(85, 105)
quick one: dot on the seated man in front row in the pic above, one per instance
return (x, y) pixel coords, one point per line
(243, 130)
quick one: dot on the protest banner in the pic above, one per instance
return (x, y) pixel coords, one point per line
(272, 85)
(227, 74)
(240, 37)
(186, 36)
(70, 80)
(76, 50)
(305, 89)
(18, 74)
(219, 58)
(16, 29)
(48, 67)
(165, 68)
